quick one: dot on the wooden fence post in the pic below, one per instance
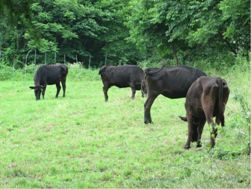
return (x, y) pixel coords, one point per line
(45, 58)
(89, 66)
(76, 58)
(105, 58)
(55, 57)
(35, 57)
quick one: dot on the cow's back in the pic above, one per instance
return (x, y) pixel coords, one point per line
(183, 77)
(50, 74)
(172, 82)
(123, 76)
(193, 97)
(205, 92)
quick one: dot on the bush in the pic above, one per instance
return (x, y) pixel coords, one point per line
(6, 72)
(77, 72)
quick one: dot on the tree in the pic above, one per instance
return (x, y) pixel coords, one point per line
(186, 29)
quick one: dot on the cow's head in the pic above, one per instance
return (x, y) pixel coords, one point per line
(37, 90)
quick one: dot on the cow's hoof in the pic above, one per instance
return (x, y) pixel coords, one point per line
(212, 142)
(199, 145)
(148, 122)
(212, 147)
(186, 146)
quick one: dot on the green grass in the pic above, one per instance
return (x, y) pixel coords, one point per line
(81, 141)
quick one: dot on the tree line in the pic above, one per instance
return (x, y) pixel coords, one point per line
(122, 31)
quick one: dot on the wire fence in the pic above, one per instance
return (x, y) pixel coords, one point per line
(33, 56)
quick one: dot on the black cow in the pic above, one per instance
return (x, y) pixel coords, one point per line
(205, 99)
(50, 75)
(121, 76)
(172, 82)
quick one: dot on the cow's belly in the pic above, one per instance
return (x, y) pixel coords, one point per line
(138, 86)
(124, 85)
(51, 83)
(197, 111)
(174, 94)
(121, 85)
(52, 80)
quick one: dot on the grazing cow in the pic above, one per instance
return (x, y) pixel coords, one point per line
(49, 75)
(171, 82)
(205, 99)
(121, 76)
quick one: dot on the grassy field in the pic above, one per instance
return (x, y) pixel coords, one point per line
(81, 141)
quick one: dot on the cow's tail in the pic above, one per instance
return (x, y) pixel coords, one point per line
(220, 105)
(183, 118)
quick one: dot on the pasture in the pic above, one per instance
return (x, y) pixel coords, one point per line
(82, 141)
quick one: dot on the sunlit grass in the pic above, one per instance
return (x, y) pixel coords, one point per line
(81, 141)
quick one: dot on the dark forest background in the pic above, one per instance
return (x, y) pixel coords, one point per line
(149, 32)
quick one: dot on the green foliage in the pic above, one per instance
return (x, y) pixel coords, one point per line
(76, 72)
(81, 141)
(119, 32)
(12, 73)
(81, 29)
(188, 30)
(15, 11)
(236, 15)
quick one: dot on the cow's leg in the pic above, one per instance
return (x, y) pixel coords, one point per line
(133, 91)
(142, 94)
(210, 121)
(64, 86)
(43, 92)
(213, 135)
(58, 89)
(190, 131)
(105, 89)
(147, 106)
(199, 131)
(208, 102)
(143, 88)
(208, 105)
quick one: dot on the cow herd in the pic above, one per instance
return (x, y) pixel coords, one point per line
(206, 97)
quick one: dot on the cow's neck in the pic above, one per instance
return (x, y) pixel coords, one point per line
(38, 80)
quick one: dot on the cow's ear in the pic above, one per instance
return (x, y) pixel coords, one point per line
(31, 87)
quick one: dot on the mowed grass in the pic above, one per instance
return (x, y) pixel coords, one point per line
(81, 141)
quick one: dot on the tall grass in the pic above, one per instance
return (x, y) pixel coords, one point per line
(82, 142)
(76, 72)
